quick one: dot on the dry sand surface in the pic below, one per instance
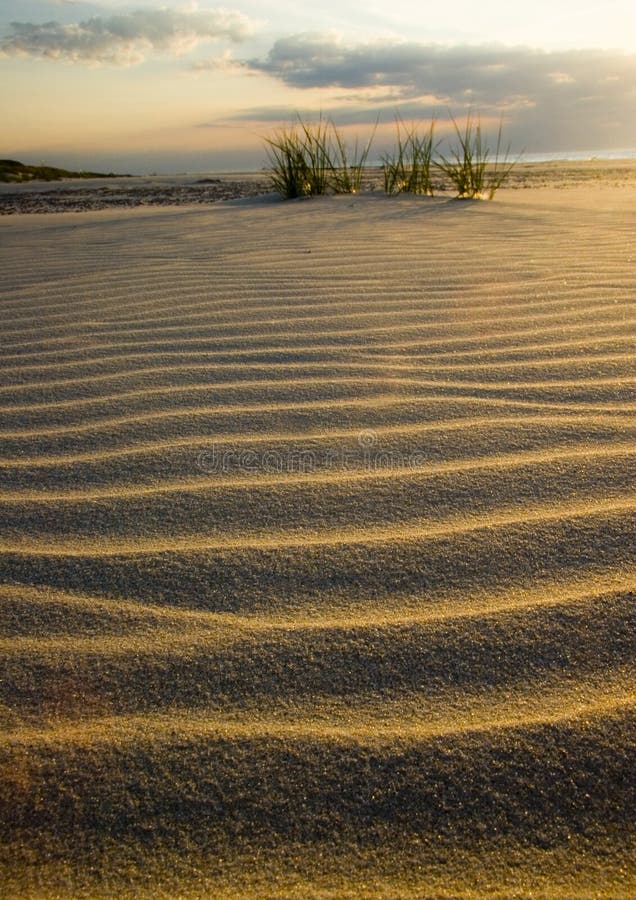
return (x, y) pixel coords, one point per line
(317, 549)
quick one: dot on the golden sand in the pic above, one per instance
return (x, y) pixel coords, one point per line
(316, 542)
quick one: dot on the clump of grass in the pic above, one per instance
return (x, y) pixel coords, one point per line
(316, 153)
(309, 159)
(299, 160)
(470, 168)
(500, 168)
(287, 169)
(408, 169)
(346, 169)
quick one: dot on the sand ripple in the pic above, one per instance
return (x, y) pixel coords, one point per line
(317, 550)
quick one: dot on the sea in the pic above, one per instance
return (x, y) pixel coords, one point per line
(579, 155)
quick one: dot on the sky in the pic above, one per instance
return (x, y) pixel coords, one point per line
(195, 86)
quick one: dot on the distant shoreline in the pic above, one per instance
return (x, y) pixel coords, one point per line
(14, 172)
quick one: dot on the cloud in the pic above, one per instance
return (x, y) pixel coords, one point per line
(489, 73)
(126, 38)
(550, 99)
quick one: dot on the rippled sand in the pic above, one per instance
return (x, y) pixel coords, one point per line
(316, 551)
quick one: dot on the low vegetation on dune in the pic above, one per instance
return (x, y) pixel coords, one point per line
(307, 160)
(13, 171)
(470, 168)
(408, 169)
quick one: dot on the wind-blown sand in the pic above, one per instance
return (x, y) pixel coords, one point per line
(317, 549)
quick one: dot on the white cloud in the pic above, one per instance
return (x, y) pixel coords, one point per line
(561, 78)
(126, 38)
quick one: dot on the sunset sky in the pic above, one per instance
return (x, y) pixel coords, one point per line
(195, 86)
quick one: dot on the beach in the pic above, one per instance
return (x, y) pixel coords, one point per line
(317, 544)
(127, 192)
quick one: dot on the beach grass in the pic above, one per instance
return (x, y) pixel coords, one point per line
(408, 168)
(288, 167)
(312, 159)
(348, 164)
(469, 167)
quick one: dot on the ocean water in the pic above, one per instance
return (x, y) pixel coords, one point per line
(579, 155)
(625, 153)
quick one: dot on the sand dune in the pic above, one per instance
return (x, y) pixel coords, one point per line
(317, 529)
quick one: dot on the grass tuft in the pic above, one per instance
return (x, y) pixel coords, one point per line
(315, 149)
(309, 159)
(288, 170)
(408, 168)
(347, 168)
(469, 167)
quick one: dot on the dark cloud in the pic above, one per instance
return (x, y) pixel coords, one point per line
(126, 38)
(556, 99)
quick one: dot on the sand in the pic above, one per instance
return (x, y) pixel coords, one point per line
(89, 194)
(317, 549)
